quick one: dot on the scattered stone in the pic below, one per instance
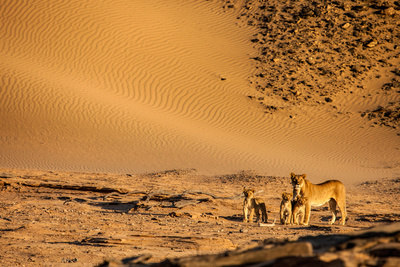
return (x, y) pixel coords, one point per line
(68, 260)
(371, 43)
(320, 42)
(346, 26)
(389, 12)
(6, 175)
(386, 116)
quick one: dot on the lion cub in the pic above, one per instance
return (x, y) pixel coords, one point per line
(286, 208)
(251, 205)
(299, 209)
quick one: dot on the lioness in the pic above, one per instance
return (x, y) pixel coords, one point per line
(299, 210)
(331, 191)
(286, 208)
(251, 205)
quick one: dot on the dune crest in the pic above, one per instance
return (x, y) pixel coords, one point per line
(128, 86)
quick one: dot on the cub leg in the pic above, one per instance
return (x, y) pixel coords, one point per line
(301, 215)
(257, 210)
(291, 214)
(264, 213)
(332, 207)
(307, 213)
(283, 219)
(295, 219)
(245, 213)
(251, 215)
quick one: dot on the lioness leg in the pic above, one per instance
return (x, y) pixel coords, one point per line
(342, 206)
(332, 207)
(307, 213)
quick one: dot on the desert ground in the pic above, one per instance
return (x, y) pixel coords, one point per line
(52, 218)
(131, 127)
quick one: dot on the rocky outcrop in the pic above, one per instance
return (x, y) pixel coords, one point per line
(379, 246)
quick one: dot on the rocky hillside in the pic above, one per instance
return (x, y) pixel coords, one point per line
(313, 52)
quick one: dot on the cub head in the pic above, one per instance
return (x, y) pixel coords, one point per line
(297, 180)
(248, 193)
(302, 200)
(287, 196)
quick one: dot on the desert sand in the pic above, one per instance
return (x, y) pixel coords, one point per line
(144, 86)
(52, 218)
(129, 89)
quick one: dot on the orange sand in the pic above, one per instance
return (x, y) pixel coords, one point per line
(141, 86)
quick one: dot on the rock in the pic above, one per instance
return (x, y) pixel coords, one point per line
(311, 60)
(386, 250)
(346, 26)
(371, 43)
(6, 175)
(357, 68)
(389, 12)
(360, 8)
(247, 257)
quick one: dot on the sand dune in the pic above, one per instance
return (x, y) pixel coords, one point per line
(140, 86)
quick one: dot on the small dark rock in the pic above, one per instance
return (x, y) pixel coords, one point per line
(6, 175)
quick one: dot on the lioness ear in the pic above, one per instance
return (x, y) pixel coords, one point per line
(304, 176)
(292, 175)
(283, 195)
(253, 190)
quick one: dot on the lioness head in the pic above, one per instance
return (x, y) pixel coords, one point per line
(297, 180)
(248, 193)
(287, 196)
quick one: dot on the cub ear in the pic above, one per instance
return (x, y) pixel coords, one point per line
(304, 176)
(283, 195)
(253, 190)
(290, 195)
